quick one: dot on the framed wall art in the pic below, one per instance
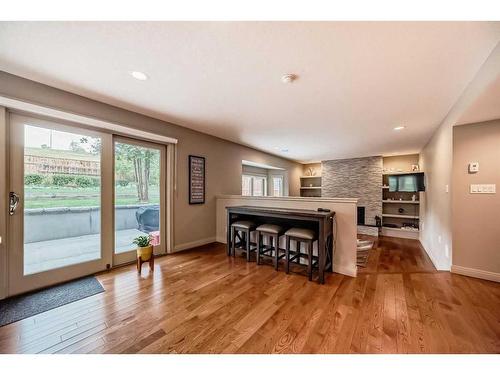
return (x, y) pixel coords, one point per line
(196, 179)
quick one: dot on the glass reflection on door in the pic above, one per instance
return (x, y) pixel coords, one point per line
(137, 195)
(62, 199)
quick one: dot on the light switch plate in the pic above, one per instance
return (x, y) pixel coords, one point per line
(473, 167)
(483, 188)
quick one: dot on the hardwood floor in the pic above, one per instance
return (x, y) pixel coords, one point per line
(201, 301)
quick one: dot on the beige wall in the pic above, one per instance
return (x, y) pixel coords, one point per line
(435, 207)
(399, 163)
(193, 224)
(476, 217)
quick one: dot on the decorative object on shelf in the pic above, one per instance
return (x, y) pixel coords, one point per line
(415, 168)
(196, 179)
(413, 197)
(401, 210)
(144, 252)
(310, 172)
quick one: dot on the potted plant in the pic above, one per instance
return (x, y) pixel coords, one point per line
(144, 251)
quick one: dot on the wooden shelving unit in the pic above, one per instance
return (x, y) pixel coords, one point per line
(310, 186)
(401, 210)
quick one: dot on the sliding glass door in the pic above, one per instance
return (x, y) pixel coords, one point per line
(78, 199)
(139, 196)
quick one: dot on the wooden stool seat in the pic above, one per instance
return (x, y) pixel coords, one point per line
(244, 224)
(273, 232)
(245, 227)
(306, 234)
(300, 235)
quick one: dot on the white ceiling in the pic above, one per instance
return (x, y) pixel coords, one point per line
(357, 80)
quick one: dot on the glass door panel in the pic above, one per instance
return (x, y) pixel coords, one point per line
(62, 199)
(138, 195)
(56, 177)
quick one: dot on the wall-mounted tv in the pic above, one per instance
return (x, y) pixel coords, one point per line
(411, 182)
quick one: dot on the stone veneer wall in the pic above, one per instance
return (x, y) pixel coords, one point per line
(355, 178)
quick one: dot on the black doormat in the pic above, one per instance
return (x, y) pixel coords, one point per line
(25, 305)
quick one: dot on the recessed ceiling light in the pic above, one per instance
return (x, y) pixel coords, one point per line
(139, 75)
(399, 128)
(288, 78)
(282, 149)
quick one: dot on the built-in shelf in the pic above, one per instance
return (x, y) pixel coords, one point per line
(400, 233)
(400, 216)
(398, 173)
(311, 187)
(403, 230)
(310, 176)
(396, 201)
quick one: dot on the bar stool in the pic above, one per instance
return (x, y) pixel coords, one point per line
(273, 232)
(300, 235)
(244, 228)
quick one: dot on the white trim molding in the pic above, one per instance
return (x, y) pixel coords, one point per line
(474, 272)
(37, 109)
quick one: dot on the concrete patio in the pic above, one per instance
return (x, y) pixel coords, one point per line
(46, 255)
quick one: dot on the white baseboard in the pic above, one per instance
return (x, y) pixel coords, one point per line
(190, 245)
(437, 265)
(473, 272)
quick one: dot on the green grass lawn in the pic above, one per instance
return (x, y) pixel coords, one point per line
(50, 197)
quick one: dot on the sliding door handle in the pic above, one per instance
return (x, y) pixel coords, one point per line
(13, 202)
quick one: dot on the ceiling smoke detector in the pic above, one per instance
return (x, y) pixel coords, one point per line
(288, 78)
(139, 75)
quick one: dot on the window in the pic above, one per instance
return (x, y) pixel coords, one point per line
(278, 186)
(246, 185)
(253, 185)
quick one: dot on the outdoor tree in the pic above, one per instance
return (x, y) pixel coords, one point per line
(132, 163)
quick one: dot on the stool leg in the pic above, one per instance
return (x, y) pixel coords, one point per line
(298, 251)
(287, 254)
(247, 236)
(276, 251)
(139, 265)
(233, 239)
(152, 263)
(259, 246)
(309, 260)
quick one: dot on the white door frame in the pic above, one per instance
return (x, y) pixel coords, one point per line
(130, 256)
(17, 281)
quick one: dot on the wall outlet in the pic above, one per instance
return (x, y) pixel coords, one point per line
(439, 239)
(447, 251)
(447, 188)
(483, 189)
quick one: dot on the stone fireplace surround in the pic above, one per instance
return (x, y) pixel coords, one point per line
(356, 178)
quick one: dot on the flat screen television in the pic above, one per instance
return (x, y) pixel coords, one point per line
(410, 182)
